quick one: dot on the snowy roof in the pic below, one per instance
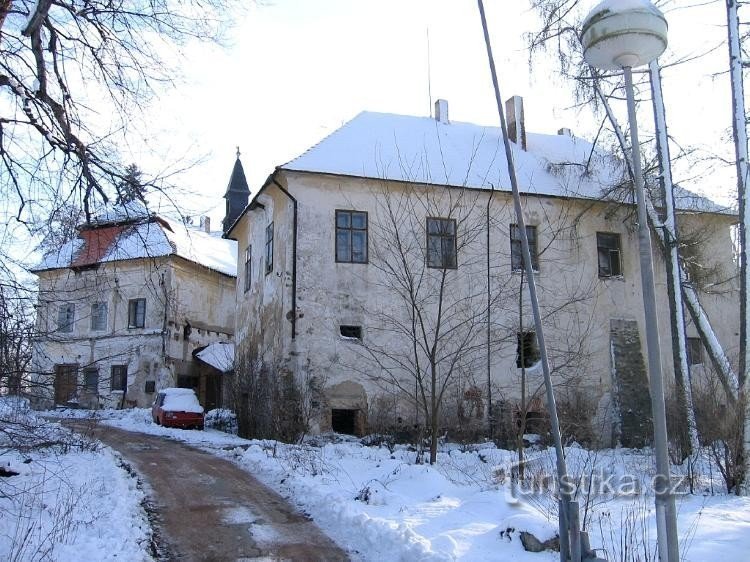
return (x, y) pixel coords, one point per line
(110, 241)
(220, 355)
(423, 150)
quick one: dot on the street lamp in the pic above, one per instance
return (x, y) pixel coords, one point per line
(622, 34)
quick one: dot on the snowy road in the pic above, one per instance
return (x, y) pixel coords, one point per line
(207, 509)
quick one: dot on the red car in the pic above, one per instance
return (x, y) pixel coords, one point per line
(177, 407)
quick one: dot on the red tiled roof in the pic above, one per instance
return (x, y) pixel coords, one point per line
(96, 244)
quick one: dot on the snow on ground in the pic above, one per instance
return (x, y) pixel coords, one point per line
(379, 505)
(68, 502)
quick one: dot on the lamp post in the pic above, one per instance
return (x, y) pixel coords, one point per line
(623, 34)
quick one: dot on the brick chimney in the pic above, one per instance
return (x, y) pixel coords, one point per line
(516, 123)
(441, 111)
(206, 224)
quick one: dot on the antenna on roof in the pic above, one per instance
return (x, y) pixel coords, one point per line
(429, 77)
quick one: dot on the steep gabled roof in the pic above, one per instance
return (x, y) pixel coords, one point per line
(237, 181)
(115, 238)
(423, 150)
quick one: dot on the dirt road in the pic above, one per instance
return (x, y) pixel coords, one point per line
(207, 509)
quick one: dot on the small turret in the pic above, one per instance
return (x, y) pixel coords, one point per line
(237, 194)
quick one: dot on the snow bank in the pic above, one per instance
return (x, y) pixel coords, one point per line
(70, 503)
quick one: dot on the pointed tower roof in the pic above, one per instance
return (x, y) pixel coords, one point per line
(237, 181)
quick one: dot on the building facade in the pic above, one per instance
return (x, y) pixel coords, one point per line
(123, 307)
(382, 271)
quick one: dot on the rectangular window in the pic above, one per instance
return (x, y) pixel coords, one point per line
(516, 248)
(441, 243)
(66, 317)
(248, 266)
(354, 332)
(150, 387)
(136, 313)
(119, 377)
(91, 380)
(269, 248)
(351, 236)
(694, 351)
(608, 251)
(527, 350)
(98, 316)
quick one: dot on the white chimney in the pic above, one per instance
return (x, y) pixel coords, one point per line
(516, 123)
(206, 224)
(565, 132)
(441, 111)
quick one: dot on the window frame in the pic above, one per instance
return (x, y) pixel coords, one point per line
(441, 236)
(693, 345)
(600, 247)
(120, 371)
(87, 387)
(133, 313)
(354, 328)
(516, 247)
(269, 248)
(103, 306)
(248, 267)
(526, 339)
(351, 229)
(70, 317)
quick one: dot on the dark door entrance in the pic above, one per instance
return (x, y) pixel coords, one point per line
(213, 392)
(65, 383)
(343, 421)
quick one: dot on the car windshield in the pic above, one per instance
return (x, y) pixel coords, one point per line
(181, 400)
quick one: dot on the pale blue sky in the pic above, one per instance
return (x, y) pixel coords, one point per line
(295, 70)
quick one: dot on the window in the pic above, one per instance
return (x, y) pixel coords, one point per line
(136, 313)
(119, 377)
(441, 243)
(351, 236)
(351, 331)
(91, 380)
(608, 250)
(248, 266)
(694, 351)
(527, 351)
(98, 316)
(516, 248)
(150, 387)
(269, 248)
(66, 317)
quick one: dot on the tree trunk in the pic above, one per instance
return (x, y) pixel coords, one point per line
(740, 149)
(674, 280)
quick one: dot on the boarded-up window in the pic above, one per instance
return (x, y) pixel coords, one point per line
(66, 317)
(98, 316)
(136, 313)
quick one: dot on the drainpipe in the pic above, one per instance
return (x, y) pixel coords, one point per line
(294, 256)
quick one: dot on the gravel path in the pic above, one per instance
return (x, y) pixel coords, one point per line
(207, 509)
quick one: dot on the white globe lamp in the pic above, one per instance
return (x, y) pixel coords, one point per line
(623, 33)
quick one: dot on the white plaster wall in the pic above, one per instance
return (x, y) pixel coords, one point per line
(577, 304)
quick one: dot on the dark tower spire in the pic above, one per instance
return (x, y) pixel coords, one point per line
(237, 194)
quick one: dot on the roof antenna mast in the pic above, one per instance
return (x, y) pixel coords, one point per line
(429, 74)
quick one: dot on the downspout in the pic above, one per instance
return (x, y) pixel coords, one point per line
(294, 255)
